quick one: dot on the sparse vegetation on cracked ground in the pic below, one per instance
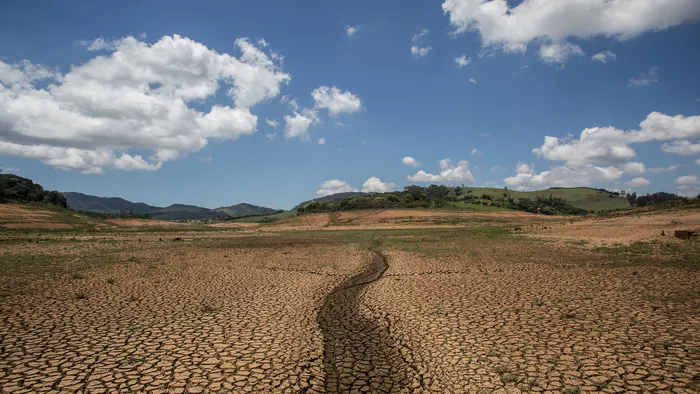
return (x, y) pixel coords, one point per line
(376, 306)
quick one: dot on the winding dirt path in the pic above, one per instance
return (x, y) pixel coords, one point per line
(358, 354)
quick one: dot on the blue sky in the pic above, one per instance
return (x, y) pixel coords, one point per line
(93, 91)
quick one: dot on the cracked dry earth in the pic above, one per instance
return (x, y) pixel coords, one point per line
(445, 311)
(185, 318)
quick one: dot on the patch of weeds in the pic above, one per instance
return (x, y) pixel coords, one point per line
(587, 298)
(206, 308)
(23, 324)
(493, 353)
(686, 254)
(152, 266)
(570, 315)
(493, 232)
(601, 386)
(111, 281)
(501, 370)
(80, 296)
(538, 302)
(132, 299)
(616, 316)
(572, 390)
(438, 309)
(77, 276)
(509, 377)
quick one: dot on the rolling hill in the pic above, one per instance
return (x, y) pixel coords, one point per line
(243, 209)
(566, 201)
(109, 205)
(116, 205)
(332, 197)
(580, 197)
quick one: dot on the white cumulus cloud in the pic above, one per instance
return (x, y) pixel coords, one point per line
(559, 52)
(322, 141)
(476, 152)
(634, 168)
(136, 96)
(561, 176)
(351, 30)
(375, 185)
(334, 186)
(604, 57)
(272, 122)
(472, 80)
(449, 173)
(335, 100)
(638, 182)
(659, 170)
(462, 61)
(409, 161)
(687, 180)
(524, 168)
(682, 147)
(297, 126)
(601, 145)
(511, 28)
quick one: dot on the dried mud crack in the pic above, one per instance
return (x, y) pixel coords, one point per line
(358, 353)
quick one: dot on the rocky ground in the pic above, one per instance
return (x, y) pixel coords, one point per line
(473, 309)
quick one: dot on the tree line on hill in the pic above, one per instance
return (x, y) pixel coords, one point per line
(437, 196)
(14, 188)
(17, 189)
(653, 198)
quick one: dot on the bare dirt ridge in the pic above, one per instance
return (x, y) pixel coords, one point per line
(358, 352)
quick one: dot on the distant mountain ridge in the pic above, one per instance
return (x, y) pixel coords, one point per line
(115, 205)
(111, 205)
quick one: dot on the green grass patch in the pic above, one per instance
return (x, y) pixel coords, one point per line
(684, 254)
(477, 207)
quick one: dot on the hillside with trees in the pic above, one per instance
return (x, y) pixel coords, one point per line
(332, 197)
(548, 202)
(14, 188)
